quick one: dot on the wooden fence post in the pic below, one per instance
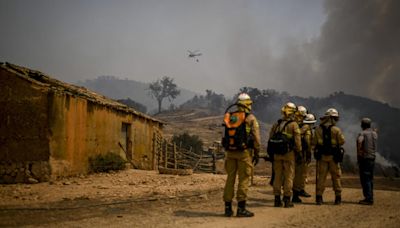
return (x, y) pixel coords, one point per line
(166, 155)
(175, 161)
(154, 151)
(214, 157)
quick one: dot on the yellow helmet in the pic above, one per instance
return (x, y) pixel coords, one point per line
(289, 109)
(245, 100)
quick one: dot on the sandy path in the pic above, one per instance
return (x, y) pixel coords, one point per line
(135, 198)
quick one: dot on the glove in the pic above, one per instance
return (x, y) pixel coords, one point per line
(299, 158)
(255, 159)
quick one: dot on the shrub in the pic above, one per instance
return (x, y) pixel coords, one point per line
(188, 142)
(106, 162)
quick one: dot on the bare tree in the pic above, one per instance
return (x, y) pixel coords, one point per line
(163, 88)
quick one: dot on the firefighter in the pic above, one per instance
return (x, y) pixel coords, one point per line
(303, 159)
(328, 141)
(240, 162)
(285, 130)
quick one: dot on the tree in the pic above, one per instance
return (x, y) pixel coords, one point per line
(163, 88)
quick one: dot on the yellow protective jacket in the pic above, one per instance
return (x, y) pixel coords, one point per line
(307, 136)
(292, 131)
(253, 128)
(337, 137)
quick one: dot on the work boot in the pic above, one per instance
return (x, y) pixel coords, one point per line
(318, 200)
(366, 202)
(304, 193)
(338, 200)
(287, 202)
(278, 202)
(296, 198)
(228, 209)
(242, 212)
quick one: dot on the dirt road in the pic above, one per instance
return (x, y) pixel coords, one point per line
(134, 198)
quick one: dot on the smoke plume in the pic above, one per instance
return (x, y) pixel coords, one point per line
(357, 52)
(359, 48)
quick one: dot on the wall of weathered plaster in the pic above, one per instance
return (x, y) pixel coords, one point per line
(81, 129)
(47, 131)
(143, 131)
(24, 148)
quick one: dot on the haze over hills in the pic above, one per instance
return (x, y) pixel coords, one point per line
(267, 105)
(117, 88)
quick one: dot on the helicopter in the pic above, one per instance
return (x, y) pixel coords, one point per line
(193, 54)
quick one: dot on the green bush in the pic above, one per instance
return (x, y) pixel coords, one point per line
(188, 142)
(106, 162)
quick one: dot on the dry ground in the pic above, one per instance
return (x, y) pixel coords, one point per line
(136, 198)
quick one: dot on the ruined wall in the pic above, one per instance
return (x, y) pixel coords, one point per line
(81, 129)
(24, 150)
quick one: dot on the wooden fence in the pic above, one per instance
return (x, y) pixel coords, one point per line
(171, 156)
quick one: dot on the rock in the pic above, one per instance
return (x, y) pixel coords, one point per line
(40, 170)
(203, 196)
(32, 180)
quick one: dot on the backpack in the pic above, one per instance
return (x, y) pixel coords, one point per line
(235, 135)
(327, 148)
(279, 143)
(326, 139)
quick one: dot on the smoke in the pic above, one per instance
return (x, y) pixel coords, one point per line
(357, 52)
(358, 49)
(350, 124)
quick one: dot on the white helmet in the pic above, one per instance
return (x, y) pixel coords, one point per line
(245, 101)
(310, 118)
(243, 97)
(302, 110)
(331, 112)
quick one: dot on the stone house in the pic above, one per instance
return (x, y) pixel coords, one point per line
(50, 129)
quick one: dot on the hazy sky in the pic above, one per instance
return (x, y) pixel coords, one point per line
(304, 47)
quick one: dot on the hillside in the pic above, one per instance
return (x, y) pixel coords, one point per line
(351, 109)
(267, 105)
(116, 88)
(267, 108)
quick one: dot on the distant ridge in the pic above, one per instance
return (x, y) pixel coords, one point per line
(117, 88)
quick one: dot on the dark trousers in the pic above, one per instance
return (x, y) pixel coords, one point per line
(366, 167)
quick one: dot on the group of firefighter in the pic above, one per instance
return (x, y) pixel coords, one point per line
(290, 167)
